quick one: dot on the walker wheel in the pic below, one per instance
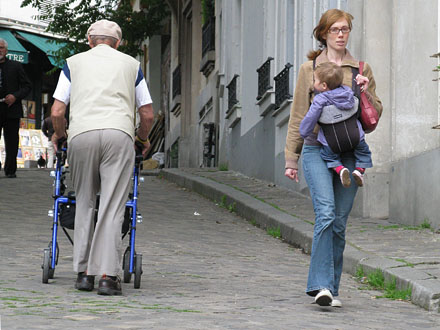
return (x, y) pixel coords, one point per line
(46, 266)
(126, 266)
(138, 271)
(51, 270)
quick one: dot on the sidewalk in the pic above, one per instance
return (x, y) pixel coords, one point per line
(411, 256)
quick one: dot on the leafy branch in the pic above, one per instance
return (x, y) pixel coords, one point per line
(71, 19)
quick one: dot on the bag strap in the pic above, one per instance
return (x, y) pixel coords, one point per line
(361, 68)
(355, 87)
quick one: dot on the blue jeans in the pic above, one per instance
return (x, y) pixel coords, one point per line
(362, 154)
(332, 204)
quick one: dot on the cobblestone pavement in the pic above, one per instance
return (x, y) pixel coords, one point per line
(377, 236)
(410, 255)
(204, 268)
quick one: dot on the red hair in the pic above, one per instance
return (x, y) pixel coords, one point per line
(329, 18)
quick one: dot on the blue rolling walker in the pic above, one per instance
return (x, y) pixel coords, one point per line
(63, 215)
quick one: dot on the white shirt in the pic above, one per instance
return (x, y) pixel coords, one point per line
(62, 91)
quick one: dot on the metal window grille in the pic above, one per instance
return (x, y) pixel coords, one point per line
(208, 36)
(176, 81)
(232, 92)
(264, 78)
(209, 144)
(282, 86)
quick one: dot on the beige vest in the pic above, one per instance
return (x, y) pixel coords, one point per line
(102, 94)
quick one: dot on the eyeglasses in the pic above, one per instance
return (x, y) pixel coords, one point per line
(335, 30)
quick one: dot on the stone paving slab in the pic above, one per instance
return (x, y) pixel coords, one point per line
(204, 268)
(406, 253)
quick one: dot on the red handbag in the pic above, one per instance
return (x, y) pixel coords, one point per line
(369, 115)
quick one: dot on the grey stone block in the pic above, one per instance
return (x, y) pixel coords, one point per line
(426, 293)
(405, 276)
(30, 164)
(371, 263)
(352, 258)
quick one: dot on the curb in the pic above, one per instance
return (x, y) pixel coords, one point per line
(299, 233)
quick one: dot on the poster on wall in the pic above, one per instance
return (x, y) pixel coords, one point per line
(31, 124)
(28, 153)
(23, 123)
(35, 137)
(24, 105)
(31, 109)
(40, 152)
(25, 140)
(32, 145)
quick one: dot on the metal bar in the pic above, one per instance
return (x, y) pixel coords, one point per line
(133, 216)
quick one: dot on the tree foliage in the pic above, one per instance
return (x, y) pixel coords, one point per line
(72, 18)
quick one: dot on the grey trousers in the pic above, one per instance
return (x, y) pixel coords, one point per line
(100, 161)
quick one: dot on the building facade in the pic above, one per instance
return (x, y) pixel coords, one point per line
(230, 69)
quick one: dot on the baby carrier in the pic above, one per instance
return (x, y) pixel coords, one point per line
(340, 126)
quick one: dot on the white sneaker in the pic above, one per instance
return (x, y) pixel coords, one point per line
(345, 177)
(324, 298)
(358, 178)
(336, 303)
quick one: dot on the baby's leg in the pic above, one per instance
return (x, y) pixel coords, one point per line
(334, 162)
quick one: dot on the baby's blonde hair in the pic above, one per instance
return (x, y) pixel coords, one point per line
(330, 73)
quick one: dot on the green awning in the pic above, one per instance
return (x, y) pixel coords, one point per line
(16, 51)
(47, 45)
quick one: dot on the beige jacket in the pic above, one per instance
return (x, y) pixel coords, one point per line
(102, 94)
(304, 96)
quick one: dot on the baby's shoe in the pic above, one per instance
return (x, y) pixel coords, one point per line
(344, 174)
(358, 177)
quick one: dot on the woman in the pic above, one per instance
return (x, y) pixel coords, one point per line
(332, 202)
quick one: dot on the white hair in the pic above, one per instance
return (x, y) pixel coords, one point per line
(3, 41)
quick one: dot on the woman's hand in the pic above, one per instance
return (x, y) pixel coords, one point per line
(363, 82)
(292, 173)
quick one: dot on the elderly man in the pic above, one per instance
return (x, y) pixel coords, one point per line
(14, 86)
(103, 87)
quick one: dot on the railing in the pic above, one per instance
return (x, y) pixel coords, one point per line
(282, 86)
(232, 92)
(208, 36)
(264, 78)
(176, 81)
(209, 144)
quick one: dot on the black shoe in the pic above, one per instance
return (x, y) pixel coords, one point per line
(10, 176)
(110, 286)
(85, 282)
